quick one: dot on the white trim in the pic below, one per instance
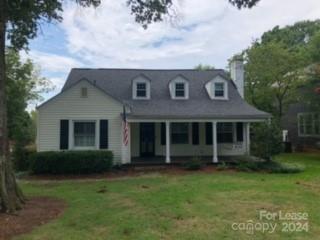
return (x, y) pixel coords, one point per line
(172, 88)
(168, 160)
(137, 80)
(214, 142)
(248, 138)
(210, 86)
(96, 140)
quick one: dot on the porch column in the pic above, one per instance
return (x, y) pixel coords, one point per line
(248, 138)
(168, 160)
(214, 142)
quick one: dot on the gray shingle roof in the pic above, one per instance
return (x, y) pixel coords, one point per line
(118, 84)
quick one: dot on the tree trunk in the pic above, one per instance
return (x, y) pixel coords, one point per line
(11, 197)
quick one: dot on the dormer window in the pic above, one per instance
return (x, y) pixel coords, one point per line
(179, 88)
(217, 88)
(141, 88)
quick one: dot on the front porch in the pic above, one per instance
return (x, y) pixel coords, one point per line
(175, 142)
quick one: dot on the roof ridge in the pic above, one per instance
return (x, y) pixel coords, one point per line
(152, 69)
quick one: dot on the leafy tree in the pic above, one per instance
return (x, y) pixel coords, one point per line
(203, 67)
(295, 37)
(310, 91)
(19, 22)
(272, 76)
(23, 85)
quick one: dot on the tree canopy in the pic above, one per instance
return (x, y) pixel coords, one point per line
(203, 67)
(272, 76)
(310, 93)
(24, 84)
(276, 65)
(294, 36)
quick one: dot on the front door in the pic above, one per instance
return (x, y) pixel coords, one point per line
(147, 139)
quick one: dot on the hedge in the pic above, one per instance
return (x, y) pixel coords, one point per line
(71, 162)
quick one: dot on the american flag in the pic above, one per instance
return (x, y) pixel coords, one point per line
(125, 128)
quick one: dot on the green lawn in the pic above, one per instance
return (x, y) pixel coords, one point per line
(193, 206)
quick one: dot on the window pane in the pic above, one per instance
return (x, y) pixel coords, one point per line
(239, 132)
(141, 89)
(141, 93)
(219, 89)
(224, 133)
(84, 134)
(180, 91)
(180, 133)
(308, 123)
(208, 133)
(301, 124)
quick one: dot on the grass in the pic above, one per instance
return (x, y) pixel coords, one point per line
(192, 206)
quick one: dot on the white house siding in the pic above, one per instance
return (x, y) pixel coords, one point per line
(224, 149)
(70, 105)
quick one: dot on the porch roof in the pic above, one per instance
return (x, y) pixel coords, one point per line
(204, 109)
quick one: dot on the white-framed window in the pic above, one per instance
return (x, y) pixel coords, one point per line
(180, 91)
(179, 88)
(217, 88)
(84, 134)
(179, 133)
(309, 124)
(141, 88)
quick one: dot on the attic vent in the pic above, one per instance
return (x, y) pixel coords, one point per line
(84, 92)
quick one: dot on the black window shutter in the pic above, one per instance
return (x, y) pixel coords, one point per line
(239, 132)
(195, 133)
(64, 134)
(103, 134)
(209, 133)
(163, 134)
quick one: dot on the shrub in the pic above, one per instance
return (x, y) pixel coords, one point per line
(269, 166)
(71, 162)
(266, 140)
(193, 164)
(286, 168)
(21, 157)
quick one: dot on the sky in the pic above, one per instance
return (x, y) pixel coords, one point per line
(204, 31)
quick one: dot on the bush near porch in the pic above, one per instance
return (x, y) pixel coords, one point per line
(71, 162)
